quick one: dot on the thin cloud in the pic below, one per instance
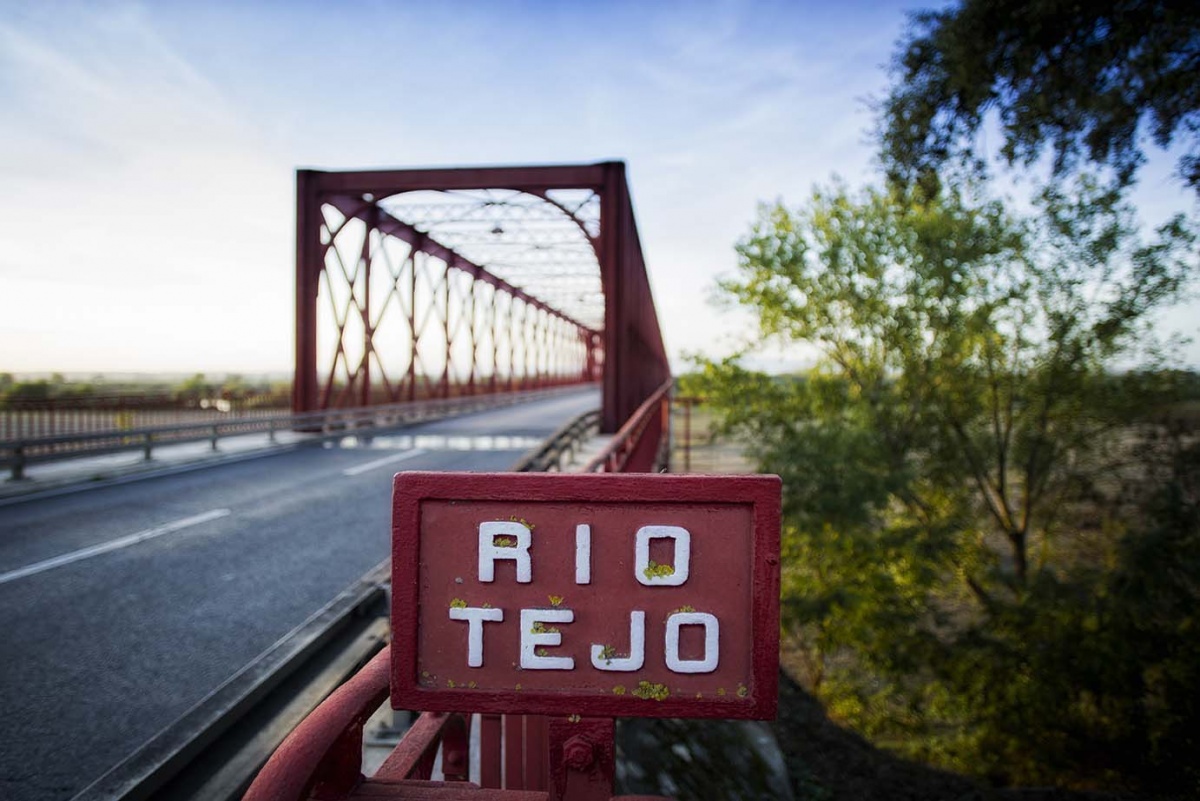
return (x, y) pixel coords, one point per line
(133, 193)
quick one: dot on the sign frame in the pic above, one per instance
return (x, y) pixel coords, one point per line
(761, 493)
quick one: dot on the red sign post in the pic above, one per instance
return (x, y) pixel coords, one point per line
(590, 595)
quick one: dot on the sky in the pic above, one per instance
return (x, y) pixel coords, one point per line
(148, 150)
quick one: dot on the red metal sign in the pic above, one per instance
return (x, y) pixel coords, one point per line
(595, 595)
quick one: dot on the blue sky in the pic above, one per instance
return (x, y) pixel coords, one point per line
(147, 150)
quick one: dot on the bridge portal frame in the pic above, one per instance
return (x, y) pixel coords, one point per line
(629, 350)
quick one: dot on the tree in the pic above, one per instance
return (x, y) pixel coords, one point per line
(958, 466)
(234, 387)
(195, 388)
(1088, 79)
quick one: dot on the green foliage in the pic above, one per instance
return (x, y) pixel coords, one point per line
(965, 478)
(1091, 80)
(27, 391)
(195, 388)
(18, 394)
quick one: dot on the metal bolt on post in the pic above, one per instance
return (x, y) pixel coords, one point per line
(579, 753)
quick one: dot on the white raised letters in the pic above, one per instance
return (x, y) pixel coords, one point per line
(583, 554)
(512, 540)
(534, 635)
(712, 642)
(602, 655)
(683, 551)
(517, 549)
(475, 615)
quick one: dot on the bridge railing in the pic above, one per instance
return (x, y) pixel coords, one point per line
(557, 452)
(24, 418)
(322, 755)
(642, 445)
(17, 454)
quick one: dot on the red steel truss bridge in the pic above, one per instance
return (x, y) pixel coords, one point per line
(433, 306)
(435, 283)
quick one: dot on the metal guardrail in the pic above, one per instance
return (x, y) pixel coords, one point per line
(15, 455)
(26, 418)
(643, 443)
(556, 452)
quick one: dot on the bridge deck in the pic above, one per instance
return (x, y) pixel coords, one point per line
(126, 604)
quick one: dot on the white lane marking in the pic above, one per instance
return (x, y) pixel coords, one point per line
(112, 545)
(396, 457)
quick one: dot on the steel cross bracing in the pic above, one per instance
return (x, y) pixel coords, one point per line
(544, 245)
(389, 283)
(434, 283)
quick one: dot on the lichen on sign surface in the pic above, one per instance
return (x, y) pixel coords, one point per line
(655, 570)
(651, 691)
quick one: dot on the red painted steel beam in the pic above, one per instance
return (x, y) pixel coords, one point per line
(489, 751)
(611, 241)
(540, 178)
(635, 360)
(309, 264)
(323, 755)
(414, 755)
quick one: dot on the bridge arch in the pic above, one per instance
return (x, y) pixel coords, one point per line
(435, 282)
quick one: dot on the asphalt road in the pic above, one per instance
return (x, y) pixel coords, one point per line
(123, 606)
